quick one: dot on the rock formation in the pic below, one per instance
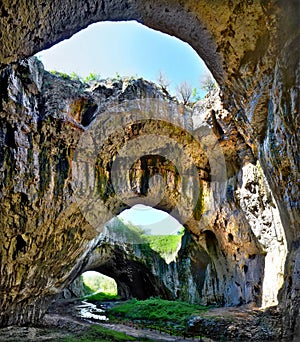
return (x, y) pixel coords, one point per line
(252, 49)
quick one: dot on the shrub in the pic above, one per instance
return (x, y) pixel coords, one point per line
(92, 77)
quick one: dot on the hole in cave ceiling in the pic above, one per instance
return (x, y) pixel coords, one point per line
(130, 49)
(160, 237)
(152, 221)
(144, 225)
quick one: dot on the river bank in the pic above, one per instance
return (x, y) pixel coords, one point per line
(70, 320)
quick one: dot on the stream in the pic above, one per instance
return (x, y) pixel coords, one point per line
(89, 311)
(73, 314)
(93, 313)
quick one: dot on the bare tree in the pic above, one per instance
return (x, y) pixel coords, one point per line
(163, 81)
(184, 91)
(208, 84)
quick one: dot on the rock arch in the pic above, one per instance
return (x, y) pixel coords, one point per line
(252, 49)
(135, 278)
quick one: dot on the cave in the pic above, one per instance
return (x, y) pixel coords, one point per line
(142, 261)
(133, 279)
(97, 282)
(252, 50)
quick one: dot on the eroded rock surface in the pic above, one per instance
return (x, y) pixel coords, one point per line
(223, 260)
(252, 48)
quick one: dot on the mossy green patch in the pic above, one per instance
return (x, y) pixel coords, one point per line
(156, 311)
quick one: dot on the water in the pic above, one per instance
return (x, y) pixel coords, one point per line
(90, 311)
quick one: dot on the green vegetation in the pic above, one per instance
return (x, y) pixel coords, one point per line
(97, 333)
(156, 312)
(117, 77)
(185, 92)
(95, 281)
(75, 77)
(208, 84)
(164, 245)
(63, 75)
(195, 95)
(98, 287)
(101, 296)
(72, 76)
(92, 77)
(126, 232)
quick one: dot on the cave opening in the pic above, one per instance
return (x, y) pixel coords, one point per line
(231, 37)
(153, 221)
(144, 184)
(147, 60)
(138, 247)
(170, 62)
(97, 284)
(131, 50)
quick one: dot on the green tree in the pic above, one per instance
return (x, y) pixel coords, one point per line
(195, 95)
(75, 76)
(208, 84)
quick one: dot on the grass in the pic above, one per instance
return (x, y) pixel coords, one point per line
(164, 245)
(101, 296)
(159, 312)
(97, 333)
(97, 282)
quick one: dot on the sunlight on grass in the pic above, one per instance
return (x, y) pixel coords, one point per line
(96, 282)
(157, 311)
(166, 246)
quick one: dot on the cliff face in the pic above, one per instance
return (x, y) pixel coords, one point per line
(252, 48)
(38, 227)
(236, 251)
(235, 245)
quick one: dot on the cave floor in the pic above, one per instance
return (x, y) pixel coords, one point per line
(61, 323)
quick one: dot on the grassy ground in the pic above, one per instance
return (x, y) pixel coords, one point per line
(97, 333)
(97, 282)
(101, 296)
(155, 312)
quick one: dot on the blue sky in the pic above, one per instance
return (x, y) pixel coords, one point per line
(128, 48)
(156, 221)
